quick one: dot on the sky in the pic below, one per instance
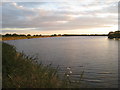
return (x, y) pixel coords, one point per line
(68, 17)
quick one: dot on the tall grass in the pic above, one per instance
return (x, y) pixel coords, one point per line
(20, 71)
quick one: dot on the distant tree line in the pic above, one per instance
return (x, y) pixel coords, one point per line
(56, 35)
(84, 35)
(115, 34)
(15, 35)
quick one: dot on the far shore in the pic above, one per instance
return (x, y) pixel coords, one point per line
(4, 38)
(16, 36)
(23, 37)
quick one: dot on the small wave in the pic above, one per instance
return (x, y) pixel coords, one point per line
(105, 73)
(97, 81)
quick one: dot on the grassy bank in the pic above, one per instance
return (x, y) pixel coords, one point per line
(20, 71)
(23, 37)
(14, 38)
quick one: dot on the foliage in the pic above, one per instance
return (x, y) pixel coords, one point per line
(21, 71)
(115, 34)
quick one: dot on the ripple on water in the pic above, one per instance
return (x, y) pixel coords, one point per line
(93, 80)
(104, 73)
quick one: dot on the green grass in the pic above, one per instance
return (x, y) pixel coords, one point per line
(20, 71)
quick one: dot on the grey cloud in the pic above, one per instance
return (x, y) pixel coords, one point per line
(14, 17)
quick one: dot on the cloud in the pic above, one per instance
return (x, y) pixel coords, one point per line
(59, 16)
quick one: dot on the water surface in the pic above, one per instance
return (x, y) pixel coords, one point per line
(96, 55)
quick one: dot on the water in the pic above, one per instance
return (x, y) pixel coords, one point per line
(97, 56)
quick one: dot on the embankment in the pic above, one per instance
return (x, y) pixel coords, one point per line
(20, 71)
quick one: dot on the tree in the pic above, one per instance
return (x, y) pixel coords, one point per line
(8, 35)
(28, 35)
(14, 34)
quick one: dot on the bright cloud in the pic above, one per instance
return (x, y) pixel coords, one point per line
(60, 17)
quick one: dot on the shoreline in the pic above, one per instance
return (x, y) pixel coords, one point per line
(30, 37)
(20, 71)
(23, 37)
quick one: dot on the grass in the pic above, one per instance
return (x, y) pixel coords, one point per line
(20, 71)
(19, 37)
(22, 37)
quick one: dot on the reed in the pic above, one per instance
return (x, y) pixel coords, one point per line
(21, 71)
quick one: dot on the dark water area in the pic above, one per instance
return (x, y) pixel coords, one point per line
(97, 56)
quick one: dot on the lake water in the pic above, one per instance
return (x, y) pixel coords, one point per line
(97, 56)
